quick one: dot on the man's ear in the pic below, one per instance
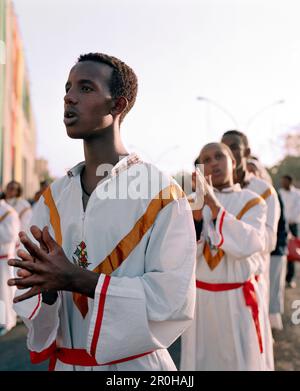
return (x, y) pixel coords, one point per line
(247, 152)
(119, 106)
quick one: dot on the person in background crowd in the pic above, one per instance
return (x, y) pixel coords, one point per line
(239, 145)
(226, 333)
(291, 201)
(278, 256)
(9, 229)
(278, 272)
(13, 196)
(256, 168)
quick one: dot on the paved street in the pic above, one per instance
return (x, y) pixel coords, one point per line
(14, 355)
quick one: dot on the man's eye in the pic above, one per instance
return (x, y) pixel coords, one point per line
(86, 89)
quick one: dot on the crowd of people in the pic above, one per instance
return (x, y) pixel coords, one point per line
(243, 245)
(109, 283)
(16, 214)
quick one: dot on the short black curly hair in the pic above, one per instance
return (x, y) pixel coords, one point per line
(243, 137)
(123, 81)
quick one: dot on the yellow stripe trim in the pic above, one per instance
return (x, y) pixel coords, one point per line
(54, 215)
(131, 240)
(248, 206)
(4, 215)
(267, 193)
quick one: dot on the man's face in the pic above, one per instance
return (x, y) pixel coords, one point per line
(88, 100)
(240, 152)
(285, 183)
(218, 164)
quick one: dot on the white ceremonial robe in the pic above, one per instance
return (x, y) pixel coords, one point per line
(268, 193)
(23, 209)
(144, 249)
(9, 229)
(223, 335)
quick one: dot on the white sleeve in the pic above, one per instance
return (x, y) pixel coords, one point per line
(273, 215)
(26, 218)
(239, 238)
(9, 228)
(41, 319)
(132, 316)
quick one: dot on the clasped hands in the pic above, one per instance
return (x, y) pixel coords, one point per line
(204, 196)
(44, 269)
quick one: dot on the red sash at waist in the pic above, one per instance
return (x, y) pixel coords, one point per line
(249, 295)
(70, 356)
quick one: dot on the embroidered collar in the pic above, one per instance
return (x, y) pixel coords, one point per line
(122, 165)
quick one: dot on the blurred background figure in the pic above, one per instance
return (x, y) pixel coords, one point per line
(43, 186)
(278, 272)
(255, 167)
(13, 196)
(9, 228)
(291, 201)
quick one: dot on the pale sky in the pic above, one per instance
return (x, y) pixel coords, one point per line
(243, 54)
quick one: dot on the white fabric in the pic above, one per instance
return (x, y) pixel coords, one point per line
(291, 202)
(223, 335)
(24, 211)
(150, 298)
(277, 289)
(260, 186)
(9, 228)
(276, 321)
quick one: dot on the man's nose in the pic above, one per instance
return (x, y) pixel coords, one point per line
(70, 98)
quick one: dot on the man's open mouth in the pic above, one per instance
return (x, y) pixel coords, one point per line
(70, 117)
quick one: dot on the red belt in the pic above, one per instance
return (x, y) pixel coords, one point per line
(3, 256)
(249, 295)
(72, 357)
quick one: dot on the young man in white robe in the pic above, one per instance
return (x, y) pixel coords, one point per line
(112, 285)
(13, 196)
(238, 143)
(226, 334)
(9, 229)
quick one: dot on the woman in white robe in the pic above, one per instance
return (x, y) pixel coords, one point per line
(9, 228)
(13, 196)
(227, 331)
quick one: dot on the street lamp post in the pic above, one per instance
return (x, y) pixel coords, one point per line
(220, 107)
(261, 111)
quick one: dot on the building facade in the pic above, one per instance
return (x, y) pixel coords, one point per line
(17, 126)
